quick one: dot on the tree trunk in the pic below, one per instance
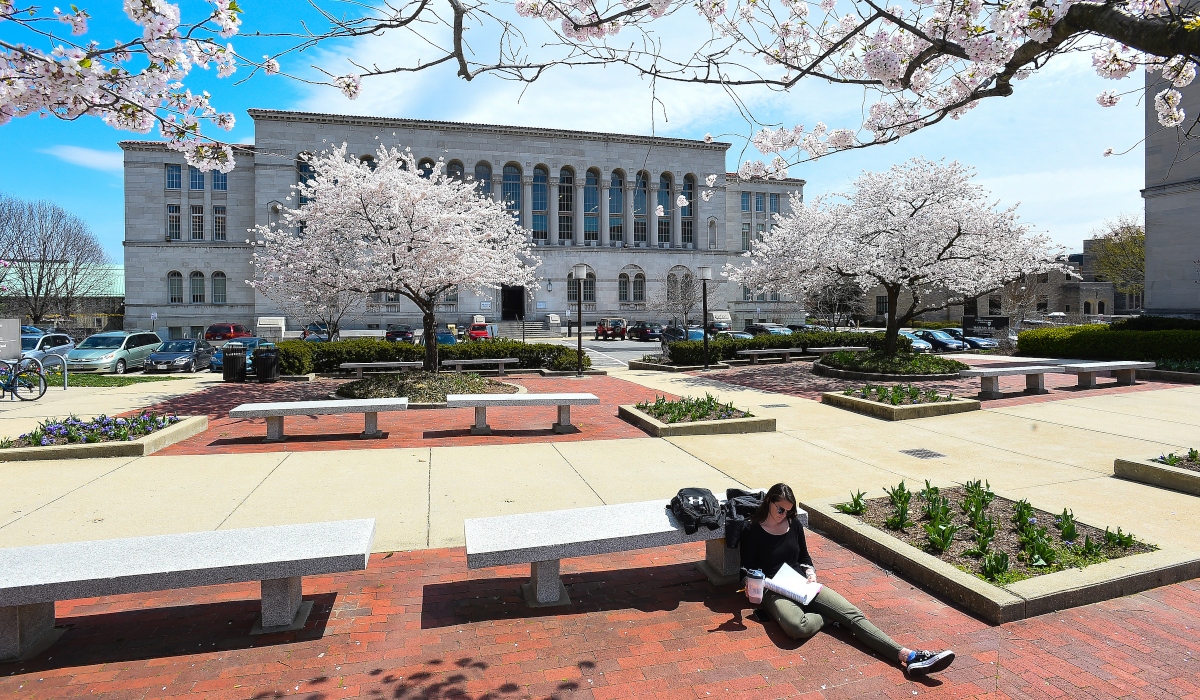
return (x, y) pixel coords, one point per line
(893, 325)
(431, 346)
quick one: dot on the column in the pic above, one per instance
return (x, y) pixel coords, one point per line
(677, 217)
(527, 201)
(552, 211)
(603, 189)
(627, 212)
(577, 212)
(652, 214)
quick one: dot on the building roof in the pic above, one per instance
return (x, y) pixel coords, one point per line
(132, 145)
(734, 177)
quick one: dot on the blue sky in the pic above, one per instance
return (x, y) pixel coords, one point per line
(1041, 147)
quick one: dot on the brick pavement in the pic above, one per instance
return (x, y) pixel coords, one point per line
(643, 624)
(413, 428)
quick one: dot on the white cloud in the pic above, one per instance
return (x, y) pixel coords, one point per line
(108, 161)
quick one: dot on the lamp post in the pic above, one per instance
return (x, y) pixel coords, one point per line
(580, 272)
(705, 275)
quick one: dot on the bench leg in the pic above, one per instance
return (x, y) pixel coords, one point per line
(545, 588)
(1035, 384)
(283, 607)
(501, 371)
(359, 374)
(989, 388)
(371, 426)
(1087, 380)
(274, 428)
(754, 359)
(481, 427)
(721, 565)
(1125, 377)
(564, 420)
(26, 630)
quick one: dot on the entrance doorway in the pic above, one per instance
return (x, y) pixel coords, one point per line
(512, 303)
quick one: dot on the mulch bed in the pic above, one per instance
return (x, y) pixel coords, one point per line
(1185, 464)
(1006, 539)
(422, 387)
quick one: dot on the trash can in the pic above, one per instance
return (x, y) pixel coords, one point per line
(233, 362)
(266, 363)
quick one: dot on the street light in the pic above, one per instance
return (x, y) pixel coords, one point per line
(580, 272)
(705, 274)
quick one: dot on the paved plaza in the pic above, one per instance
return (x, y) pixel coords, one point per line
(419, 624)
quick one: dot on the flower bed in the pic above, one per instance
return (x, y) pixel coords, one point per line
(72, 430)
(690, 410)
(898, 395)
(900, 363)
(1190, 461)
(422, 387)
(994, 538)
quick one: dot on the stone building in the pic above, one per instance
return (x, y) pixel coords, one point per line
(584, 197)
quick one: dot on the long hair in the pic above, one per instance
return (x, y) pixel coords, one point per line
(778, 492)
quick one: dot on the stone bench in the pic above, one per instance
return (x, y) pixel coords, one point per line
(786, 353)
(458, 364)
(1035, 378)
(32, 578)
(542, 540)
(274, 412)
(481, 402)
(1126, 371)
(360, 366)
(827, 351)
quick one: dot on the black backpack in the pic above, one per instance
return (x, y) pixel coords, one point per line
(694, 507)
(739, 505)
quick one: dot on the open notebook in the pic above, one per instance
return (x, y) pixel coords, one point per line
(789, 583)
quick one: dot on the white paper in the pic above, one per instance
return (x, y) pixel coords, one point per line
(789, 583)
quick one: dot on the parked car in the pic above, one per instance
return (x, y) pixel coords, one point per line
(399, 333)
(316, 333)
(715, 327)
(32, 330)
(801, 327)
(216, 361)
(39, 346)
(226, 331)
(941, 340)
(444, 337)
(673, 334)
(644, 331)
(113, 351)
(478, 331)
(767, 328)
(918, 345)
(735, 335)
(184, 355)
(610, 329)
(975, 343)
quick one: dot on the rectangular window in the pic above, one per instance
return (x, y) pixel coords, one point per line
(219, 230)
(760, 202)
(745, 236)
(175, 287)
(687, 233)
(664, 230)
(197, 332)
(1043, 304)
(197, 223)
(566, 211)
(174, 177)
(173, 222)
(639, 230)
(623, 288)
(219, 288)
(616, 232)
(746, 296)
(195, 178)
(175, 332)
(994, 305)
(221, 181)
(774, 296)
(881, 305)
(591, 228)
(540, 230)
(762, 296)
(639, 289)
(197, 287)
(758, 234)
(745, 201)
(774, 203)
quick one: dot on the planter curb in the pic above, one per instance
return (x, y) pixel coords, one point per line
(145, 445)
(658, 367)
(890, 412)
(826, 371)
(1157, 474)
(709, 427)
(1167, 375)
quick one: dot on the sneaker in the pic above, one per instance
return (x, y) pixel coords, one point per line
(923, 662)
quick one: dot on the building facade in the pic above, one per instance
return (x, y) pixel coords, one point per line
(583, 197)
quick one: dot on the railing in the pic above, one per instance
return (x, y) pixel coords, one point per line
(631, 306)
(445, 308)
(49, 359)
(589, 307)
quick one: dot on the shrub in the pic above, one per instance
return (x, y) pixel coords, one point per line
(691, 352)
(295, 357)
(934, 325)
(301, 357)
(1096, 342)
(1156, 323)
(568, 361)
(900, 363)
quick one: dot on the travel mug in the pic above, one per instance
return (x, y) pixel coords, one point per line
(754, 586)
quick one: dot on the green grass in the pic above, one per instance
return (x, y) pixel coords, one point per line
(54, 379)
(900, 363)
(422, 387)
(690, 409)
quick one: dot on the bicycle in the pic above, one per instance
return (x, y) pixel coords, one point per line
(24, 379)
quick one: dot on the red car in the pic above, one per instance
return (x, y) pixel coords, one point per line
(226, 331)
(478, 331)
(610, 329)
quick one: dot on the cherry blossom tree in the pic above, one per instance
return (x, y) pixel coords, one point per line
(395, 228)
(921, 230)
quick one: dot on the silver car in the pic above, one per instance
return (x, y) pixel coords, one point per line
(38, 347)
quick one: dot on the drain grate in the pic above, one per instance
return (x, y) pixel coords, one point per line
(776, 405)
(922, 453)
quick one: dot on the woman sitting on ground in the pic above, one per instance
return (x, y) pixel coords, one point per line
(774, 538)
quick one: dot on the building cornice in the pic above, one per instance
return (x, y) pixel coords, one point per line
(467, 127)
(1172, 188)
(162, 147)
(734, 177)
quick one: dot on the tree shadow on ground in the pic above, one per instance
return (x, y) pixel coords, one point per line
(138, 635)
(294, 438)
(439, 678)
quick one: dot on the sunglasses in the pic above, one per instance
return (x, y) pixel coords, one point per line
(781, 510)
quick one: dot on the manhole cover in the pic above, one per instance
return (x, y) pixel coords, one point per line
(922, 453)
(776, 405)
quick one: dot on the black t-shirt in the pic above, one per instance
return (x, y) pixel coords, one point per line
(766, 552)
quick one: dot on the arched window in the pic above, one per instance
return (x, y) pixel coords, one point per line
(640, 195)
(368, 161)
(483, 178)
(425, 168)
(196, 284)
(455, 171)
(623, 287)
(616, 207)
(1087, 307)
(664, 201)
(687, 232)
(175, 287)
(672, 287)
(589, 288)
(566, 204)
(1100, 308)
(511, 191)
(541, 196)
(591, 206)
(218, 287)
(639, 288)
(304, 173)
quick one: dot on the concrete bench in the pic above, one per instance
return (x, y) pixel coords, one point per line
(786, 353)
(1035, 378)
(1126, 371)
(360, 366)
(542, 540)
(274, 413)
(32, 578)
(481, 402)
(458, 364)
(827, 351)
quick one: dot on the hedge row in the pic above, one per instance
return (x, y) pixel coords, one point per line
(692, 352)
(1156, 323)
(302, 357)
(1096, 342)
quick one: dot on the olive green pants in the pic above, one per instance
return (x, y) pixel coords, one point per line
(828, 606)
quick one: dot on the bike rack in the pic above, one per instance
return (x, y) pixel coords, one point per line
(62, 361)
